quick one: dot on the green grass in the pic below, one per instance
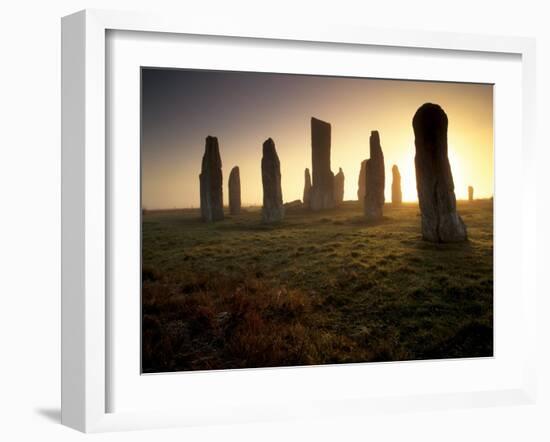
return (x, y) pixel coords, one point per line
(324, 287)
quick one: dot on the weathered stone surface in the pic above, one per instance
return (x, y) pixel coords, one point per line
(307, 189)
(396, 195)
(235, 191)
(434, 179)
(470, 193)
(339, 180)
(375, 180)
(211, 182)
(361, 185)
(272, 210)
(322, 190)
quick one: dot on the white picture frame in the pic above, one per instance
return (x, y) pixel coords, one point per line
(86, 205)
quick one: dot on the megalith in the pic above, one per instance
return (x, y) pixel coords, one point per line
(235, 191)
(211, 182)
(272, 210)
(374, 180)
(470, 193)
(434, 179)
(322, 190)
(361, 182)
(339, 179)
(307, 189)
(396, 195)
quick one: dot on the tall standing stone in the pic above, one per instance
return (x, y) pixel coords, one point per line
(470, 193)
(375, 179)
(307, 189)
(235, 191)
(361, 185)
(272, 210)
(339, 180)
(396, 195)
(322, 190)
(211, 182)
(434, 179)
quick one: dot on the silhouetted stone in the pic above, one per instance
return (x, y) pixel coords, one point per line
(235, 191)
(307, 189)
(375, 180)
(272, 209)
(396, 195)
(434, 179)
(322, 190)
(296, 204)
(361, 182)
(211, 182)
(470, 193)
(339, 179)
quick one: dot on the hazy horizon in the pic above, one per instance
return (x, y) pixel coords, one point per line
(180, 108)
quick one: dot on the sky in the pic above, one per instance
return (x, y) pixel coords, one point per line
(180, 108)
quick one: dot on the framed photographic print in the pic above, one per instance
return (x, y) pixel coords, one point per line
(271, 223)
(313, 267)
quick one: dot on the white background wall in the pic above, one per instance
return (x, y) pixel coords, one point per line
(30, 215)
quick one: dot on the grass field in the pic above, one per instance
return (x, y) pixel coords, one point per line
(318, 288)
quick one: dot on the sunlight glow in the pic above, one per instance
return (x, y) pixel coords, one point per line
(179, 111)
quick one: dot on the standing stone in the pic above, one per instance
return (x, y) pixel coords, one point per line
(434, 179)
(396, 195)
(307, 189)
(272, 210)
(361, 182)
(375, 180)
(235, 191)
(470, 193)
(339, 179)
(211, 182)
(322, 190)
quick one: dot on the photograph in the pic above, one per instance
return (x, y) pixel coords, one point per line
(302, 220)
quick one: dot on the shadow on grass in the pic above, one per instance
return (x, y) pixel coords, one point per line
(423, 245)
(472, 340)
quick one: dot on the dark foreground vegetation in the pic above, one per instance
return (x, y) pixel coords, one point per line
(318, 288)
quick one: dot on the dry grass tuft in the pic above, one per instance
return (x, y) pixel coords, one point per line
(234, 323)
